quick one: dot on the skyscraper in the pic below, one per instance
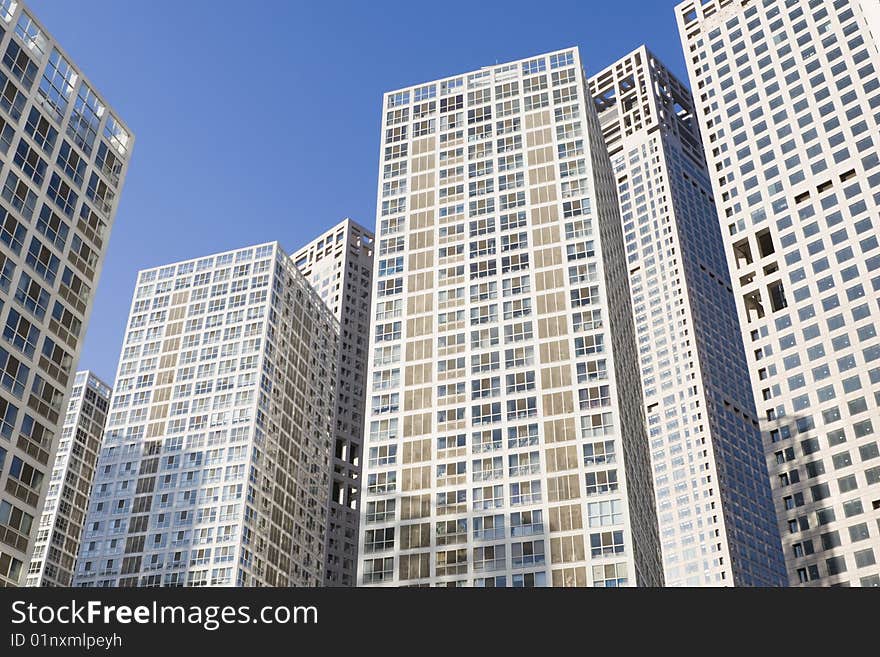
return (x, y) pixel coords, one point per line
(61, 523)
(505, 438)
(788, 101)
(63, 159)
(339, 266)
(215, 465)
(715, 514)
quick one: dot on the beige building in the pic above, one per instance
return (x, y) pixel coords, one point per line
(215, 465)
(788, 101)
(504, 438)
(63, 159)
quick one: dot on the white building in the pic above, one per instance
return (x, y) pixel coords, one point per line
(214, 469)
(61, 523)
(505, 437)
(63, 159)
(714, 509)
(788, 101)
(339, 266)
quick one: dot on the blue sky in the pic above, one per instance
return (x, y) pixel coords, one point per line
(259, 120)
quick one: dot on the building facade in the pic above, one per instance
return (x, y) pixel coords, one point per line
(715, 514)
(788, 101)
(61, 523)
(505, 437)
(339, 266)
(214, 469)
(63, 160)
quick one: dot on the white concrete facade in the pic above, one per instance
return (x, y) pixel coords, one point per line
(215, 465)
(61, 524)
(715, 514)
(504, 440)
(788, 101)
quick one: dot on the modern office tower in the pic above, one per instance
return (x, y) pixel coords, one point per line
(214, 469)
(788, 102)
(505, 441)
(61, 524)
(339, 266)
(714, 509)
(63, 159)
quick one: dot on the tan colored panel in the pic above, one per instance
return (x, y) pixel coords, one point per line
(162, 394)
(555, 377)
(416, 425)
(551, 257)
(539, 138)
(419, 326)
(545, 215)
(421, 240)
(420, 303)
(415, 536)
(554, 302)
(560, 430)
(423, 163)
(549, 327)
(552, 352)
(420, 281)
(419, 349)
(566, 487)
(561, 458)
(540, 156)
(422, 200)
(570, 577)
(544, 194)
(425, 145)
(416, 478)
(566, 518)
(541, 175)
(416, 506)
(545, 236)
(417, 451)
(417, 374)
(156, 429)
(423, 181)
(414, 400)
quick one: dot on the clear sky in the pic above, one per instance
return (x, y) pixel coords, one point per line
(259, 120)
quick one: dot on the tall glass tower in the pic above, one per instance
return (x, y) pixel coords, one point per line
(339, 265)
(61, 523)
(504, 438)
(63, 159)
(788, 101)
(715, 515)
(214, 469)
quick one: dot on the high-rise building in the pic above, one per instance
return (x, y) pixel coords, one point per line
(61, 524)
(505, 440)
(714, 510)
(214, 469)
(788, 101)
(339, 266)
(63, 160)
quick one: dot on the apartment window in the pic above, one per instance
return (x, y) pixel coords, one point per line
(603, 481)
(606, 544)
